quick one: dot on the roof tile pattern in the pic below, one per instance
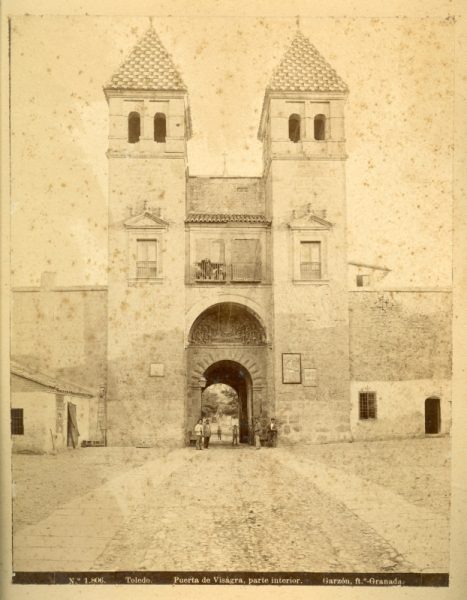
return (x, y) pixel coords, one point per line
(303, 69)
(52, 383)
(148, 67)
(225, 218)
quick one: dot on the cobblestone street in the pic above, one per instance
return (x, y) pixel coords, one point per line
(237, 509)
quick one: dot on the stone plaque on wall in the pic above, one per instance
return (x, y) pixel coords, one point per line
(291, 368)
(310, 377)
(156, 370)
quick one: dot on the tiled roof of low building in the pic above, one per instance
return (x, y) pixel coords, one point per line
(303, 69)
(58, 385)
(148, 67)
(226, 218)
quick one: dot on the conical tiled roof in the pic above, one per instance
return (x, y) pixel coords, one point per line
(148, 67)
(303, 69)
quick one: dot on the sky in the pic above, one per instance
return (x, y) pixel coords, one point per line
(399, 130)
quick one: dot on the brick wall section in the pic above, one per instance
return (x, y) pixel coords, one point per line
(409, 339)
(239, 195)
(62, 333)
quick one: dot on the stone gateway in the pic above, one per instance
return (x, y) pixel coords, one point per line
(246, 281)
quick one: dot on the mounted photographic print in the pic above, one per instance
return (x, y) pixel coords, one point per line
(291, 368)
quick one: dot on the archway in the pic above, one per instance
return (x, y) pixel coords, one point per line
(432, 415)
(227, 345)
(237, 377)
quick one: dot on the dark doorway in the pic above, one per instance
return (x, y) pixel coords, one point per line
(432, 415)
(72, 426)
(237, 377)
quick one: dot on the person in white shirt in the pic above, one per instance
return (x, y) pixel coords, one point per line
(272, 433)
(199, 434)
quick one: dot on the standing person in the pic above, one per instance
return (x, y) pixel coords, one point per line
(199, 434)
(258, 434)
(219, 432)
(206, 433)
(272, 433)
(235, 435)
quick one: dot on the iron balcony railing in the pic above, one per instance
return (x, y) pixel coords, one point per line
(310, 270)
(206, 270)
(246, 271)
(146, 269)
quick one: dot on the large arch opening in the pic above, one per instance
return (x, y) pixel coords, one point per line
(227, 348)
(236, 377)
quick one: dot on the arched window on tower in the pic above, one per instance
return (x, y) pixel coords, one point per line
(294, 128)
(160, 128)
(134, 127)
(320, 127)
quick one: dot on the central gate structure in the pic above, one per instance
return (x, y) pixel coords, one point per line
(227, 344)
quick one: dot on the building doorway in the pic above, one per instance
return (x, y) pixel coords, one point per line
(227, 345)
(72, 427)
(432, 416)
(220, 404)
(229, 375)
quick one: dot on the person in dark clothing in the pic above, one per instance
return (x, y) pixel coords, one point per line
(235, 435)
(206, 433)
(272, 434)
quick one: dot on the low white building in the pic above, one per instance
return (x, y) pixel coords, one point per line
(48, 414)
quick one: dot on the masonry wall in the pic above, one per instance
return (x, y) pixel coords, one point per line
(238, 195)
(146, 319)
(400, 348)
(311, 318)
(62, 332)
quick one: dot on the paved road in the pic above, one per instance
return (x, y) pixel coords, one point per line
(234, 509)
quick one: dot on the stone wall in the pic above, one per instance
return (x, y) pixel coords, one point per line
(310, 317)
(62, 332)
(146, 319)
(400, 335)
(239, 195)
(400, 349)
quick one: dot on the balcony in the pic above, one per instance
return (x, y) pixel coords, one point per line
(146, 269)
(210, 271)
(246, 271)
(206, 271)
(310, 270)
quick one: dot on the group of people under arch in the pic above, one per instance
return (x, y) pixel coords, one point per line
(259, 435)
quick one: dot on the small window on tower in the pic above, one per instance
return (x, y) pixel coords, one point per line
(320, 127)
(146, 261)
(310, 260)
(294, 128)
(134, 127)
(160, 128)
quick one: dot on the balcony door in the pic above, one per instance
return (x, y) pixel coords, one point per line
(210, 260)
(246, 260)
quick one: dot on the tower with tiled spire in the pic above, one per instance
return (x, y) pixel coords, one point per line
(149, 125)
(302, 130)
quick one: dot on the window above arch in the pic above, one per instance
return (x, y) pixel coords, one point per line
(160, 128)
(134, 127)
(320, 127)
(294, 128)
